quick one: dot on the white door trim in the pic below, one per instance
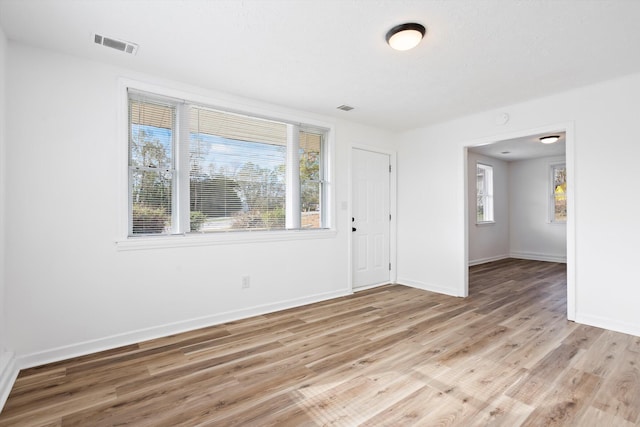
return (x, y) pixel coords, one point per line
(393, 237)
(567, 127)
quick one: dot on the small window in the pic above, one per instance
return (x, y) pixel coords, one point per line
(311, 179)
(151, 167)
(193, 169)
(558, 193)
(484, 193)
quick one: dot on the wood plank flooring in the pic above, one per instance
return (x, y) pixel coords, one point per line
(390, 356)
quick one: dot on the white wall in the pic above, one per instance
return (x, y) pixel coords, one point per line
(431, 250)
(488, 242)
(8, 369)
(3, 49)
(71, 290)
(532, 235)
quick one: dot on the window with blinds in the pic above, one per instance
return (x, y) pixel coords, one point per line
(151, 166)
(237, 171)
(200, 170)
(311, 179)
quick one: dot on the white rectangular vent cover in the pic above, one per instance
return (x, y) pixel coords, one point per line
(121, 45)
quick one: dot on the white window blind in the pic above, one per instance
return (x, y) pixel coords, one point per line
(237, 171)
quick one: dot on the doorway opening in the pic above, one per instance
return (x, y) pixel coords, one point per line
(518, 194)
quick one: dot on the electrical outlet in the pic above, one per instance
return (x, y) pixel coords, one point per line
(246, 282)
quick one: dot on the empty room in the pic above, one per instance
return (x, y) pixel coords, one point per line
(319, 212)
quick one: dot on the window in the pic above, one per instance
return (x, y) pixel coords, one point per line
(484, 193)
(151, 167)
(193, 169)
(558, 193)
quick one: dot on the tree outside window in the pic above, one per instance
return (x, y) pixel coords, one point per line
(559, 193)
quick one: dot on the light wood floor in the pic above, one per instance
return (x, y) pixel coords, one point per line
(391, 356)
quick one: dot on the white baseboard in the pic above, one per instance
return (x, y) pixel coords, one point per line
(133, 337)
(539, 257)
(427, 287)
(610, 324)
(488, 259)
(8, 374)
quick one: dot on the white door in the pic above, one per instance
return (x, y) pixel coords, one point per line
(371, 220)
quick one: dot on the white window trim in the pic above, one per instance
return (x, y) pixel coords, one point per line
(493, 216)
(551, 210)
(124, 242)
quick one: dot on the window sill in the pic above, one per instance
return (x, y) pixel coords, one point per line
(484, 223)
(223, 238)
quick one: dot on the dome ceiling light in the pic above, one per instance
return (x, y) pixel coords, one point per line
(405, 36)
(550, 139)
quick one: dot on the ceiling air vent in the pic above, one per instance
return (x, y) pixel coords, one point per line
(345, 108)
(121, 45)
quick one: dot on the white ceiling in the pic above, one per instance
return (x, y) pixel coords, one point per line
(315, 55)
(528, 147)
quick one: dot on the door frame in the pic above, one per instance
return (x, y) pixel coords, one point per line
(393, 179)
(568, 128)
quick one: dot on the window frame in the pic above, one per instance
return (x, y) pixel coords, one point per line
(488, 195)
(124, 241)
(551, 192)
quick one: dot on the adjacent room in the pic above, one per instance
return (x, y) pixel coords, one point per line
(278, 212)
(517, 199)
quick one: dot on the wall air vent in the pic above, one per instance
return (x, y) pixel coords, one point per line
(345, 108)
(121, 45)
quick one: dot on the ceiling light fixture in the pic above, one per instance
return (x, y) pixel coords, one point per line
(405, 36)
(550, 139)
